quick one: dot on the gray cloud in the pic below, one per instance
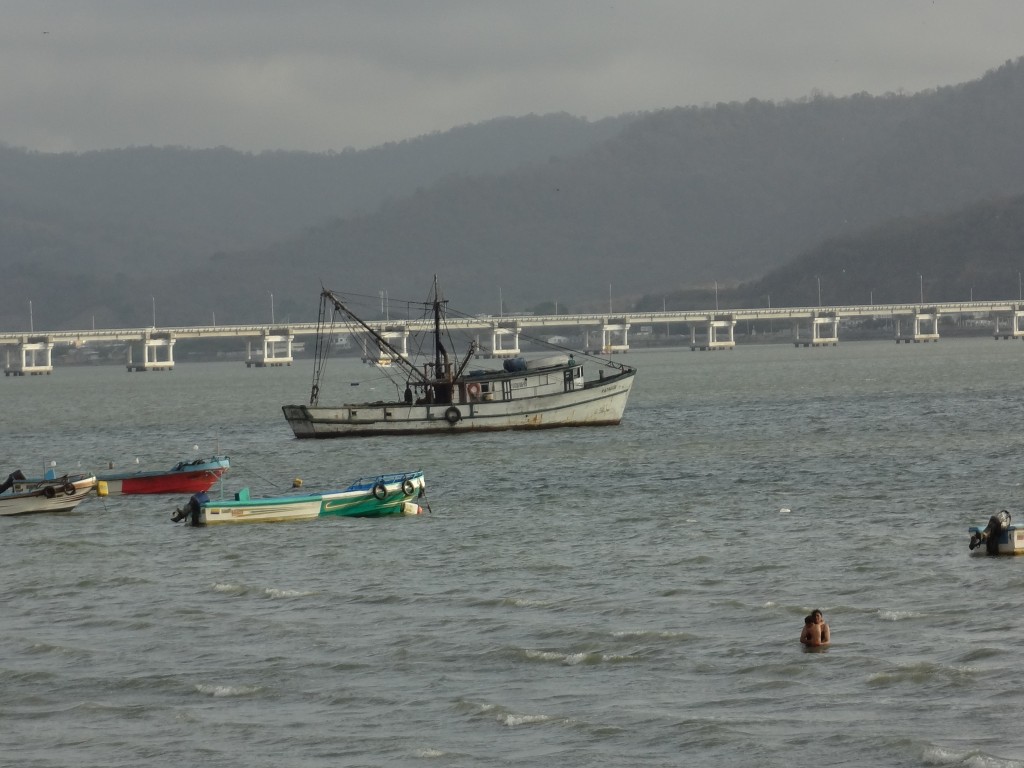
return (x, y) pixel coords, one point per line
(325, 75)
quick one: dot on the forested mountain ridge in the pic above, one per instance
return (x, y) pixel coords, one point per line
(111, 218)
(976, 253)
(677, 198)
(685, 196)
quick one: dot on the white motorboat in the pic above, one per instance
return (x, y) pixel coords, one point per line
(51, 494)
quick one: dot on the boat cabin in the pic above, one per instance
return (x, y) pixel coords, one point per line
(519, 378)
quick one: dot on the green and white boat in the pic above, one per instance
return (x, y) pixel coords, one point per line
(393, 494)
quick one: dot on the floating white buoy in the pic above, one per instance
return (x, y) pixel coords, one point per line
(785, 509)
(411, 508)
(195, 447)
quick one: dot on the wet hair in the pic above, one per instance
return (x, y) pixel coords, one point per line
(818, 612)
(809, 618)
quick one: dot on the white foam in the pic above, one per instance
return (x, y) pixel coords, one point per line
(430, 752)
(513, 720)
(227, 690)
(270, 592)
(234, 589)
(899, 615)
(545, 655)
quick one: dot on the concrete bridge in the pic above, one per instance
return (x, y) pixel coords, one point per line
(152, 349)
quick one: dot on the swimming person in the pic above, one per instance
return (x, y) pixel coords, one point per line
(815, 632)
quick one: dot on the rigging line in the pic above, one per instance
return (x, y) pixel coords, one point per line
(370, 301)
(325, 340)
(572, 350)
(340, 308)
(268, 483)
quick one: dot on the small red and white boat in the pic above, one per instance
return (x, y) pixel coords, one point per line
(184, 477)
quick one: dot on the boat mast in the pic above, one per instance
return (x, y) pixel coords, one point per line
(438, 346)
(323, 345)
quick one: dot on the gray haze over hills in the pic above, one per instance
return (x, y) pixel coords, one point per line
(534, 210)
(310, 75)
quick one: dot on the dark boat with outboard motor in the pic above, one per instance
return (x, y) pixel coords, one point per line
(999, 536)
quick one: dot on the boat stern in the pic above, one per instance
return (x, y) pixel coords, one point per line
(998, 537)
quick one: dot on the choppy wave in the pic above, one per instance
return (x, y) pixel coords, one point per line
(622, 596)
(225, 691)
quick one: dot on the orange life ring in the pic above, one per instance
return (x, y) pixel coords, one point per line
(474, 389)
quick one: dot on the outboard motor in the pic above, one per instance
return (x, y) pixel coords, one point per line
(998, 523)
(191, 510)
(11, 479)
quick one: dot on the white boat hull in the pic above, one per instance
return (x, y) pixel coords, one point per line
(598, 404)
(214, 513)
(33, 502)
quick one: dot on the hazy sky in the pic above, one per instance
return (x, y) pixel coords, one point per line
(255, 75)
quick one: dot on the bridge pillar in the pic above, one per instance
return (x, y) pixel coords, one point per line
(152, 343)
(1015, 324)
(273, 355)
(33, 357)
(397, 337)
(498, 336)
(823, 331)
(923, 326)
(719, 332)
(615, 337)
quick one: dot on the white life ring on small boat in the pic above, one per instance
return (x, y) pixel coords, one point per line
(408, 487)
(453, 415)
(473, 388)
(380, 491)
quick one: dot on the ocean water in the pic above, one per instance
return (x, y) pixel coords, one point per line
(620, 596)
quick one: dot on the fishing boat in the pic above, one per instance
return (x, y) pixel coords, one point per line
(184, 477)
(53, 494)
(377, 496)
(443, 396)
(999, 536)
